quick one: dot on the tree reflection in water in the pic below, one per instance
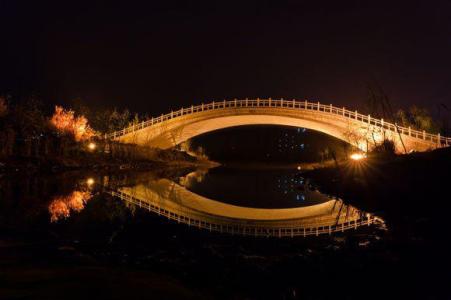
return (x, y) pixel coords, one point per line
(62, 206)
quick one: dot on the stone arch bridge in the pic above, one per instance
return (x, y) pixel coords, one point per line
(357, 129)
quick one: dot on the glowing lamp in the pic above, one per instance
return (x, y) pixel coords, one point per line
(92, 146)
(90, 181)
(357, 156)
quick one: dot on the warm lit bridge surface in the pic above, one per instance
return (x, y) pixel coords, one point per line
(360, 130)
(173, 201)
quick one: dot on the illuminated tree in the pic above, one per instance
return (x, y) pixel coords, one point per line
(62, 206)
(66, 122)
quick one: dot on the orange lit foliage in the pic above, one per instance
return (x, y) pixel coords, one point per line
(62, 206)
(66, 122)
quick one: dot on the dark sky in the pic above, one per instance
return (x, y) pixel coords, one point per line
(154, 57)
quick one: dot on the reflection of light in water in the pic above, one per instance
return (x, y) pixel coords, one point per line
(174, 202)
(62, 206)
(90, 181)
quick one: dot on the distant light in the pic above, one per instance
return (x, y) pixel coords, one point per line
(92, 146)
(358, 156)
(299, 168)
(90, 181)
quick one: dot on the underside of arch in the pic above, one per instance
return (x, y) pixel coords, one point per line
(187, 130)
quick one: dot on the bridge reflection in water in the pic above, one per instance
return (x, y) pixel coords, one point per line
(174, 202)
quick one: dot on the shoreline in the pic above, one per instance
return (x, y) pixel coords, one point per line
(30, 166)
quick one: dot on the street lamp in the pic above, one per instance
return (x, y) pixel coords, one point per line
(92, 146)
(357, 156)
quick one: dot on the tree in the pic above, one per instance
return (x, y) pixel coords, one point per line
(417, 118)
(66, 122)
(109, 120)
(379, 103)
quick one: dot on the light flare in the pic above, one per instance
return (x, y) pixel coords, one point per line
(357, 156)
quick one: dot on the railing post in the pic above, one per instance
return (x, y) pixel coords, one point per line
(331, 108)
(410, 131)
(439, 143)
(234, 101)
(258, 102)
(172, 114)
(424, 135)
(213, 103)
(318, 106)
(192, 108)
(306, 104)
(355, 115)
(382, 123)
(294, 103)
(224, 105)
(180, 110)
(246, 102)
(269, 102)
(369, 119)
(202, 107)
(343, 111)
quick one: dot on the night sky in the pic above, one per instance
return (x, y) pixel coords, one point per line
(155, 57)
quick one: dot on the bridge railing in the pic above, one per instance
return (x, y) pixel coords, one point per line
(287, 104)
(246, 228)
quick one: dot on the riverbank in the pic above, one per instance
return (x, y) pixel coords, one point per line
(101, 162)
(394, 182)
(410, 192)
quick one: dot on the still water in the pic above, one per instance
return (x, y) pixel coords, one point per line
(248, 202)
(220, 232)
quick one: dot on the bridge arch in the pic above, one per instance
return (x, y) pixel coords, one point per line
(359, 130)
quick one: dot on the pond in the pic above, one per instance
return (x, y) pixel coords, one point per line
(203, 230)
(278, 203)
